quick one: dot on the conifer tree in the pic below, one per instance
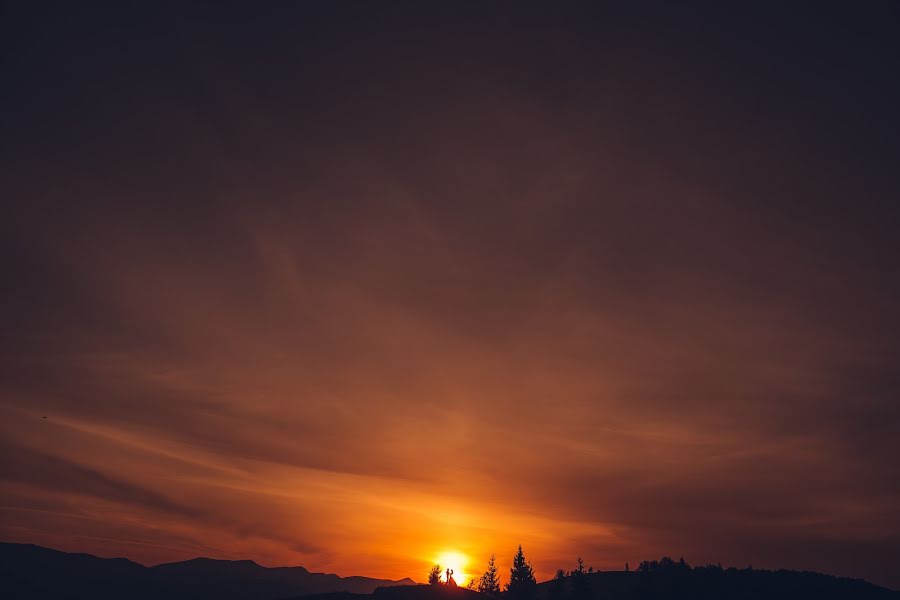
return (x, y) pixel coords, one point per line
(579, 580)
(522, 583)
(579, 567)
(434, 575)
(559, 583)
(490, 580)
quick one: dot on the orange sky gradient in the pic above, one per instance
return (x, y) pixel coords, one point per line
(297, 290)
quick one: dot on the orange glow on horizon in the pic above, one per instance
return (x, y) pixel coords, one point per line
(456, 562)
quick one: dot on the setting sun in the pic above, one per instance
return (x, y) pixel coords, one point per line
(456, 562)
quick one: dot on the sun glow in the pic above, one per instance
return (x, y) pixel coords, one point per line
(456, 562)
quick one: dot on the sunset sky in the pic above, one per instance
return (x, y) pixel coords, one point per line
(355, 285)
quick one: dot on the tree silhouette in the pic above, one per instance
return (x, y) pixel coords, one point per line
(664, 564)
(522, 583)
(579, 580)
(558, 585)
(579, 568)
(434, 575)
(490, 581)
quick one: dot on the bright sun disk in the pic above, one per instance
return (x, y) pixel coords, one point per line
(457, 562)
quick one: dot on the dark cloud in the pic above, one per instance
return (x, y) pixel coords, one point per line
(24, 465)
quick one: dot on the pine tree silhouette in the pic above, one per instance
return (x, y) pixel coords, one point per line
(522, 584)
(490, 581)
(434, 575)
(579, 580)
(579, 568)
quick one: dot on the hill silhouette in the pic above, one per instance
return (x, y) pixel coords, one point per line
(663, 580)
(33, 572)
(670, 580)
(36, 573)
(404, 592)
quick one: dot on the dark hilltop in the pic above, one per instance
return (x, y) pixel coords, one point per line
(36, 573)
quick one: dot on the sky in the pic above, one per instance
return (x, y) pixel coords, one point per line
(356, 285)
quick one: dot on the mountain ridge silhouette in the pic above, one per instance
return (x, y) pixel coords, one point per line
(35, 572)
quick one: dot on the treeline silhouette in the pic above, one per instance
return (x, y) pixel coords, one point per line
(34, 573)
(664, 579)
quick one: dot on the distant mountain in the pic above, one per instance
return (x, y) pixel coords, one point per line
(34, 573)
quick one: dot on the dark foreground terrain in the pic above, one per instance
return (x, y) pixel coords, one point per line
(32, 572)
(707, 583)
(35, 573)
(674, 582)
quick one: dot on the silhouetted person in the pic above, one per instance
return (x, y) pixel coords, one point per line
(450, 581)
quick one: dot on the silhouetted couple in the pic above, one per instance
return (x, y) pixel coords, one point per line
(450, 581)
